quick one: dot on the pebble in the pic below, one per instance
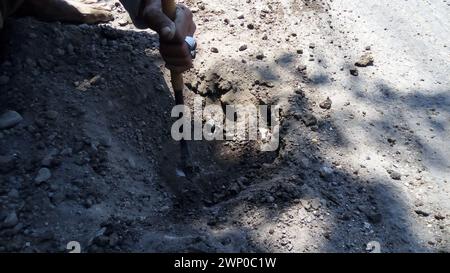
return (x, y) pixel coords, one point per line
(243, 47)
(326, 104)
(422, 213)
(43, 175)
(396, 175)
(326, 173)
(11, 220)
(260, 56)
(309, 119)
(439, 216)
(302, 68)
(214, 50)
(354, 72)
(365, 60)
(51, 114)
(9, 119)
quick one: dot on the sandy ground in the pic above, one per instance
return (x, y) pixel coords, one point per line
(371, 168)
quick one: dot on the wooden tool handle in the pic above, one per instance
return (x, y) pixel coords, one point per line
(169, 8)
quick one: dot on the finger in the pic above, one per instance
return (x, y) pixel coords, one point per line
(175, 51)
(158, 21)
(183, 24)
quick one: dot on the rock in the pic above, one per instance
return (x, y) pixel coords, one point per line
(243, 47)
(301, 68)
(354, 72)
(214, 50)
(326, 104)
(260, 56)
(52, 115)
(365, 60)
(251, 26)
(306, 204)
(9, 119)
(309, 119)
(312, 45)
(123, 22)
(396, 175)
(300, 51)
(43, 175)
(439, 216)
(422, 213)
(4, 79)
(315, 203)
(11, 220)
(326, 173)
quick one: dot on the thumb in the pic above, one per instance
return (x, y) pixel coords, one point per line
(168, 32)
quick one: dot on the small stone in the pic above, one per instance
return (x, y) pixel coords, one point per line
(43, 175)
(315, 203)
(312, 45)
(396, 175)
(326, 104)
(309, 119)
(302, 68)
(365, 60)
(243, 47)
(123, 22)
(300, 51)
(439, 216)
(9, 119)
(51, 114)
(251, 26)
(354, 72)
(422, 213)
(214, 50)
(260, 56)
(326, 173)
(11, 220)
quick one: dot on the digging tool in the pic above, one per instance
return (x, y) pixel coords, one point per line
(170, 8)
